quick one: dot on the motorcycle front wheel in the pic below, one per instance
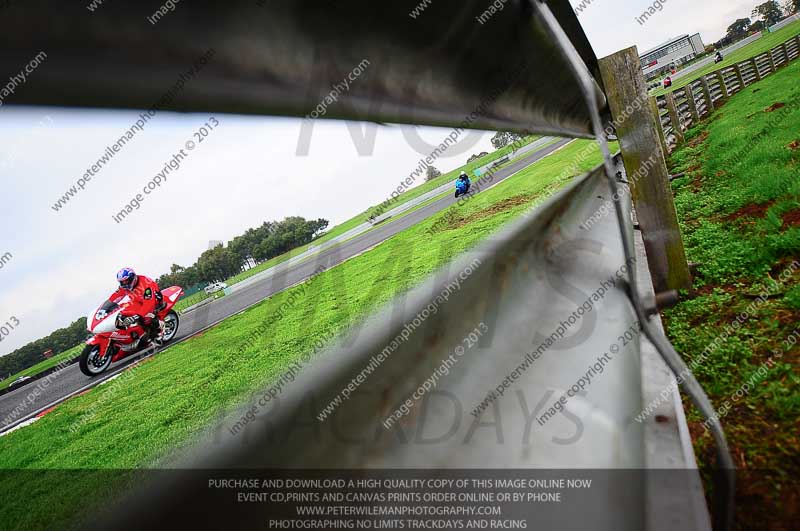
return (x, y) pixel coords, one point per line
(90, 362)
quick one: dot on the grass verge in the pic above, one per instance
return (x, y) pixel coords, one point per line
(739, 207)
(148, 415)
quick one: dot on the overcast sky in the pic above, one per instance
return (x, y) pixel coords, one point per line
(611, 25)
(245, 172)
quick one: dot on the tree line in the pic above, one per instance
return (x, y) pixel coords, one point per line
(763, 16)
(33, 353)
(256, 245)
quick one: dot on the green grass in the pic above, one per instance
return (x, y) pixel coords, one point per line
(739, 207)
(44, 365)
(765, 43)
(144, 418)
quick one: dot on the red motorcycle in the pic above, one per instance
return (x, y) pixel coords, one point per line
(113, 340)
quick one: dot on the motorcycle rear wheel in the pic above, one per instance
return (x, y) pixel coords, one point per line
(90, 362)
(171, 323)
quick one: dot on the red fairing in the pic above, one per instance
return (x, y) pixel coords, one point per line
(171, 296)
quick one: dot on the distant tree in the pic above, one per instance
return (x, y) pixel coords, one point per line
(503, 138)
(476, 157)
(218, 263)
(432, 173)
(770, 12)
(738, 30)
(791, 7)
(758, 25)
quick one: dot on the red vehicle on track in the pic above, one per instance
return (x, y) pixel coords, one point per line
(113, 341)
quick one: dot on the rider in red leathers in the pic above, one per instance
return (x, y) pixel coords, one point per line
(145, 298)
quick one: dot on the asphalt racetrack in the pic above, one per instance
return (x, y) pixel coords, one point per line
(23, 403)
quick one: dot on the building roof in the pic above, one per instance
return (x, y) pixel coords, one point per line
(671, 41)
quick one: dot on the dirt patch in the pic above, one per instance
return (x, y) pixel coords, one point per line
(697, 182)
(750, 211)
(791, 218)
(454, 220)
(699, 139)
(794, 145)
(502, 206)
(774, 107)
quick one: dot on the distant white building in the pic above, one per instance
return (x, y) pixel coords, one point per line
(672, 53)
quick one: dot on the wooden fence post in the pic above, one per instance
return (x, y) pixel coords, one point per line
(739, 76)
(659, 127)
(771, 61)
(723, 89)
(785, 53)
(707, 94)
(646, 168)
(692, 104)
(755, 68)
(675, 118)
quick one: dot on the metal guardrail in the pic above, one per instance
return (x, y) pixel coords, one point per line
(282, 58)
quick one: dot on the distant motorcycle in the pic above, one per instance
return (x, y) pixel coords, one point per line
(462, 186)
(718, 58)
(113, 340)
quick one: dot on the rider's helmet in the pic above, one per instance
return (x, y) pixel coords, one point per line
(126, 278)
(463, 175)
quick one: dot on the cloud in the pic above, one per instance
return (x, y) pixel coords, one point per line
(611, 25)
